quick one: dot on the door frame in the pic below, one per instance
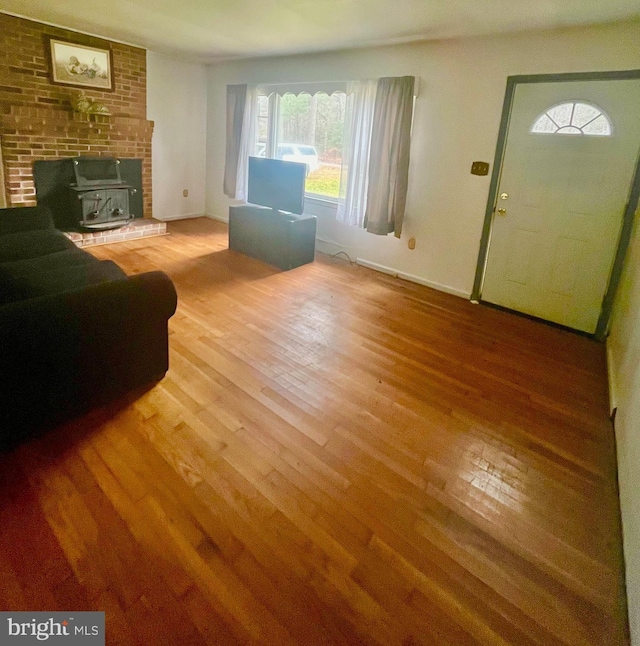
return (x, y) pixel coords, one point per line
(630, 209)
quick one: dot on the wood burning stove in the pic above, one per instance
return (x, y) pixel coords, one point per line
(53, 179)
(99, 197)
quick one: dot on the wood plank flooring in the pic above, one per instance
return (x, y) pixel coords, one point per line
(335, 457)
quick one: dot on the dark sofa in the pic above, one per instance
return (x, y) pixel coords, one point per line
(75, 332)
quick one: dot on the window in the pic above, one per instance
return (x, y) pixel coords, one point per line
(305, 127)
(317, 124)
(573, 118)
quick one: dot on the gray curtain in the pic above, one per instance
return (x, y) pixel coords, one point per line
(236, 98)
(389, 157)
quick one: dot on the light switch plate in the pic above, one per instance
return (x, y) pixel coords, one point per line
(479, 168)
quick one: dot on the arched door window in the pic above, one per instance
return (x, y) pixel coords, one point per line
(573, 118)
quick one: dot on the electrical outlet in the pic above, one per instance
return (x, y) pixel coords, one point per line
(412, 243)
(185, 193)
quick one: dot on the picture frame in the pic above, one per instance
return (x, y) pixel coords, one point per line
(80, 65)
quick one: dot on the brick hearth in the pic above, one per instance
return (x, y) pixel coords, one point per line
(139, 228)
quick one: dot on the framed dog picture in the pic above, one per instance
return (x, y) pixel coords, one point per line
(80, 65)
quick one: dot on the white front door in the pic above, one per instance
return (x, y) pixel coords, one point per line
(565, 181)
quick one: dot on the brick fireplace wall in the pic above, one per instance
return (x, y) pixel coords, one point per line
(38, 122)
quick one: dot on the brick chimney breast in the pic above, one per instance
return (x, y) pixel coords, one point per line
(37, 120)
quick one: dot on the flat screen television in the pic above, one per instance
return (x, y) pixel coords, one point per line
(277, 184)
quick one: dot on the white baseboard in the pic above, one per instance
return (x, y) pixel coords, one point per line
(413, 279)
(219, 218)
(182, 216)
(613, 390)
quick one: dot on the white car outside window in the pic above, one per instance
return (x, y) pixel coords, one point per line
(301, 153)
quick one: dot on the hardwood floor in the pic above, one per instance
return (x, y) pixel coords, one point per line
(335, 457)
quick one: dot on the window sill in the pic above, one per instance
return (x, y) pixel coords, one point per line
(319, 203)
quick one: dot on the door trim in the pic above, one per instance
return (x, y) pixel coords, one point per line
(627, 224)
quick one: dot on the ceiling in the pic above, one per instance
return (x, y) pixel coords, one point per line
(208, 30)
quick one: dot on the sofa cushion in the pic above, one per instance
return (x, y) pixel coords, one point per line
(33, 284)
(28, 218)
(45, 264)
(32, 244)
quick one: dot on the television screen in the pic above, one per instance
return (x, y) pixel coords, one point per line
(276, 183)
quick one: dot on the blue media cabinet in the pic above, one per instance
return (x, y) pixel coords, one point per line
(284, 240)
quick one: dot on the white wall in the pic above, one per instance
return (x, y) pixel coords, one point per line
(177, 104)
(462, 84)
(623, 347)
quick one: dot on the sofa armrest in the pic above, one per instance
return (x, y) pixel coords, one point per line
(28, 218)
(63, 354)
(151, 294)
